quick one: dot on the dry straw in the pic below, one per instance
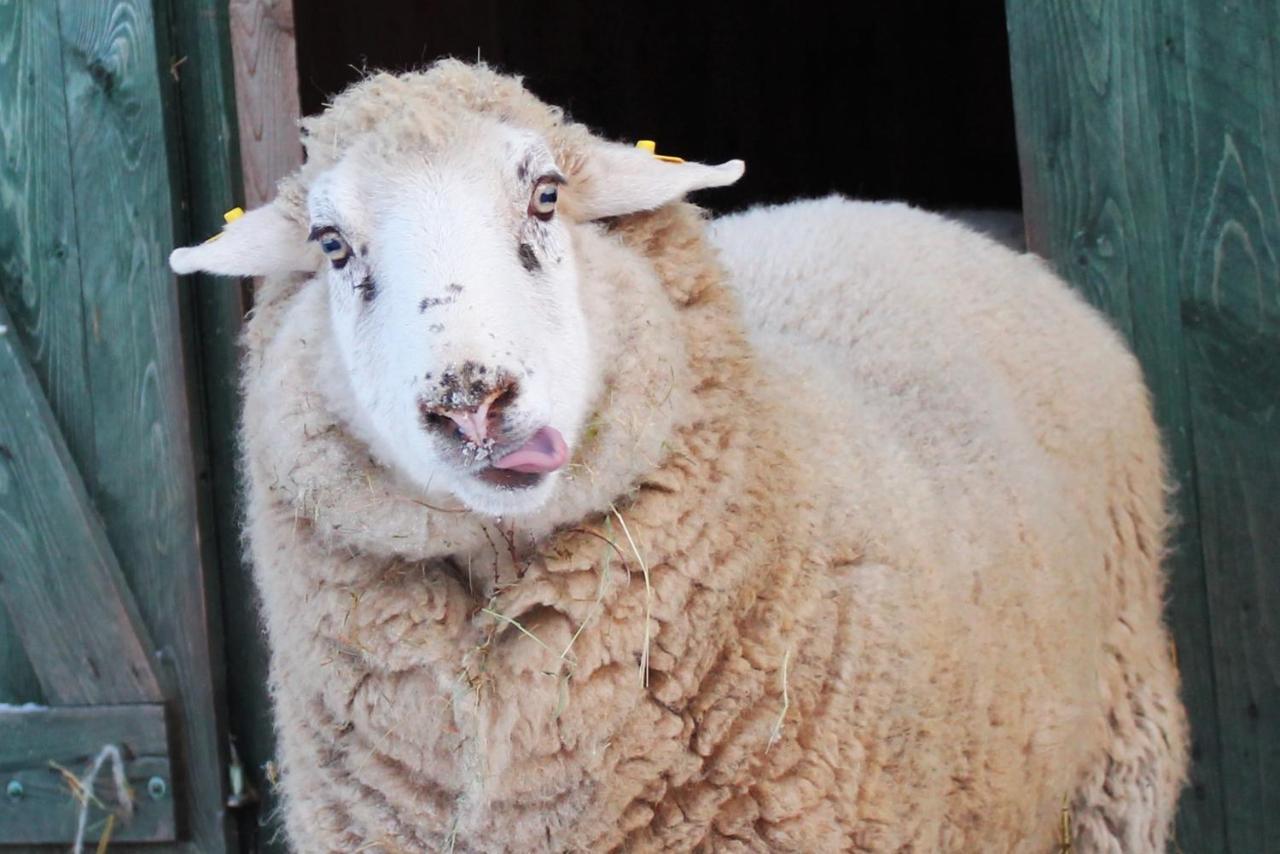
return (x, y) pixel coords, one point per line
(648, 597)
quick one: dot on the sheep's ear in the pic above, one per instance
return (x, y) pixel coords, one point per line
(617, 179)
(263, 242)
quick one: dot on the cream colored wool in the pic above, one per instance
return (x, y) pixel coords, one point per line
(926, 507)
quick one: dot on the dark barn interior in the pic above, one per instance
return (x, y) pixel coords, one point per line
(916, 97)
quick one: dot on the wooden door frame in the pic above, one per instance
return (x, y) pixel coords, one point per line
(263, 147)
(149, 142)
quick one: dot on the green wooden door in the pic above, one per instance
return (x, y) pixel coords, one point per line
(1149, 134)
(111, 113)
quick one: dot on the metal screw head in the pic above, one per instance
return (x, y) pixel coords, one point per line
(157, 788)
(14, 791)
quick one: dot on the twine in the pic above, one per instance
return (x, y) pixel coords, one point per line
(86, 795)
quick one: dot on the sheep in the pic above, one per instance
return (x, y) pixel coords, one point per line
(580, 523)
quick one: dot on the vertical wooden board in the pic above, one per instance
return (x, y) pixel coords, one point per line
(266, 68)
(39, 260)
(1103, 151)
(1226, 217)
(18, 682)
(267, 100)
(143, 475)
(213, 185)
(39, 268)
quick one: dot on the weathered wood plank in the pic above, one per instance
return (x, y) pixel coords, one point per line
(39, 257)
(1150, 142)
(34, 742)
(59, 580)
(39, 267)
(1095, 200)
(123, 122)
(268, 109)
(266, 65)
(1224, 105)
(213, 185)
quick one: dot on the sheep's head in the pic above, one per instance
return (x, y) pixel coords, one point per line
(454, 292)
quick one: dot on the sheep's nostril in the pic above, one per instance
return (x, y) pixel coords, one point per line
(475, 423)
(505, 397)
(437, 422)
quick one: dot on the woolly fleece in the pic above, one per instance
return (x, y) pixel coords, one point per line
(899, 560)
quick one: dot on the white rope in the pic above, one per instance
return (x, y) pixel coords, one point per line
(87, 797)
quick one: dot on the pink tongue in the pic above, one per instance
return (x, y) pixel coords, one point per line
(545, 452)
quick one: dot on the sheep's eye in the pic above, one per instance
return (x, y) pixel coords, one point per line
(334, 246)
(543, 203)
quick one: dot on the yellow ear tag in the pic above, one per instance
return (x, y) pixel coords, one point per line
(652, 147)
(228, 217)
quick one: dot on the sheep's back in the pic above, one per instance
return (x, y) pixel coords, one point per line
(988, 442)
(843, 278)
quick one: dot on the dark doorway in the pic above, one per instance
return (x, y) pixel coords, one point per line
(880, 101)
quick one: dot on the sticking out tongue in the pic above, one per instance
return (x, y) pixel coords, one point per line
(544, 452)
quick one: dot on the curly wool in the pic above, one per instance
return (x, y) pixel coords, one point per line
(910, 599)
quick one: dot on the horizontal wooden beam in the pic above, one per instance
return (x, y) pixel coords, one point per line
(40, 746)
(58, 575)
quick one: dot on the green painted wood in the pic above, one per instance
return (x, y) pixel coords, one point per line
(211, 160)
(214, 186)
(39, 257)
(39, 267)
(59, 581)
(1149, 134)
(122, 113)
(33, 741)
(1226, 213)
(1095, 201)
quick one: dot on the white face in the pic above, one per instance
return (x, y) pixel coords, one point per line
(454, 298)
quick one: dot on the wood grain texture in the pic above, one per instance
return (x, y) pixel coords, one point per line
(59, 579)
(1225, 212)
(32, 740)
(211, 158)
(1095, 201)
(267, 106)
(1150, 149)
(266, 71)
(122, 117)
(39, 256)
(39, 267)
